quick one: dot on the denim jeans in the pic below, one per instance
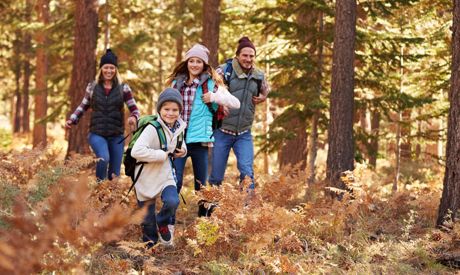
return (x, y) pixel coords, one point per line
(199, 156)
(243, 148)
(110, 153)
(170, 201)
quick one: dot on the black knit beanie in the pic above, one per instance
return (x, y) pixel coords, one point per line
(109, 58)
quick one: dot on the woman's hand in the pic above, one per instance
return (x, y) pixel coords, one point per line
(68, 124)
(132, 122)
(178, 153)
(206, 98)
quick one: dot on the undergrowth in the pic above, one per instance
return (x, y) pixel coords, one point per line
(71, 224)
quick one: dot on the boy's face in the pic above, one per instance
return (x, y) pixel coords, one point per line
(169, 112)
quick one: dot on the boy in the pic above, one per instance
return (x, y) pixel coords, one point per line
(158, 176)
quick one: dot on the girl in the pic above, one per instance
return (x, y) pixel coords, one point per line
(202, 90)
(106, 96)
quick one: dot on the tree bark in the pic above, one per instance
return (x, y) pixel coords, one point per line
(451, 186)
(40, 99)
(27, 72)
(210, 34)
(83, 69)
(374, 142)
(313, 145)
(294, 151)
(180, 31)
(340, 155)
(17, 48)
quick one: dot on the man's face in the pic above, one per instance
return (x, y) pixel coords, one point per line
(246, 58)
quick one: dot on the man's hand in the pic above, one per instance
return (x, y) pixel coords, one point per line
(226, 111)
(132, 122)
(259, 99)
(178, 153)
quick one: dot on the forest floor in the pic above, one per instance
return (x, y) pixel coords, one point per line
(54, 217)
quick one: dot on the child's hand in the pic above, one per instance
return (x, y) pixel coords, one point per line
(178, 153)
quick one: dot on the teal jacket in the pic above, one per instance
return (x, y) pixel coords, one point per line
(199, 128)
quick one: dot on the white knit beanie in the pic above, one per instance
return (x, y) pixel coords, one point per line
(199, 51)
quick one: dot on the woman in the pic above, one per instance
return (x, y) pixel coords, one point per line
(106, 96)
(202, 90)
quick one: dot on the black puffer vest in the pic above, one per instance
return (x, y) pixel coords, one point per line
(107, 117)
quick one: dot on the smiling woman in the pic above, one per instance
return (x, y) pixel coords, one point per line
(106, 96)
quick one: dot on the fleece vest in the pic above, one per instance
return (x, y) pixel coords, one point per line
(243, 87)
(107, 117)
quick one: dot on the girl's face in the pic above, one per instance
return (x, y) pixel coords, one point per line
(169, 112)
(195, 66)
(108, 71)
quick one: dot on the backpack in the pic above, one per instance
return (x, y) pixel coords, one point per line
(129, 162)
(228, 74)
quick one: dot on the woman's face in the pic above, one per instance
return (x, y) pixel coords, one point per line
(108, 71)
(169, 112)
(195, 66)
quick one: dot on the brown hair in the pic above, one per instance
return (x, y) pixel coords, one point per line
(181, 68)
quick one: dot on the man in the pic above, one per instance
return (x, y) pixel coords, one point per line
(249, 85)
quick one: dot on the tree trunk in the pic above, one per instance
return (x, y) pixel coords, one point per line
(17, 47)
(340, 155)
(210, 34)
(27, 72)
(374, 142)
(107, 26)
(83, 69)
(180, 30)
(451, 187)
(313, 150)
(294, 151)
(41, 106)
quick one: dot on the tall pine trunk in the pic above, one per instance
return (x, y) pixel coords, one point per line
(17, 48)
(27, 50)
(180, 8)
(451, 187)
(40, 98)
(294, 151)
(374, 142)
(340, 155)
(210, 34)
(313, 145)
(83, 69)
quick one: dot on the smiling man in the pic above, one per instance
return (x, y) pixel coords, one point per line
(249, 85)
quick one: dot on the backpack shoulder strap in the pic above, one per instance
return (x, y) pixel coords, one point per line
(228, 71)
(161, 134)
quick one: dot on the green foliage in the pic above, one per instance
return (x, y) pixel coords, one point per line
(5, 138)
(207, 232)
(46, 179)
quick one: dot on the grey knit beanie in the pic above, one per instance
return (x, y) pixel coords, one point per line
(169, 94)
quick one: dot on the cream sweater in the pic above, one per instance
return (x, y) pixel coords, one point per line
(157, 172)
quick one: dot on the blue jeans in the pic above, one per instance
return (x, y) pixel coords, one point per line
(243, 148)
(170, 201)
(110, 154)
(199, 156)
